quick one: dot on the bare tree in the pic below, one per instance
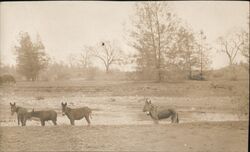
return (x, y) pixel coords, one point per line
(1, 62)
(108, 53)
(245, 45)
(72, 59)
(231, 45)
(85, 58)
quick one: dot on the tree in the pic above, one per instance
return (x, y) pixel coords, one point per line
(107, 53)
(72, 61)
(245, 45)
(203, 53)
(1, 63)
(85, 58)
(230, 44)
(184, 53)
(153, 31)
(31, 57)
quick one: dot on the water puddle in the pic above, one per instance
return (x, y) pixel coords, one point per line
(110, 112)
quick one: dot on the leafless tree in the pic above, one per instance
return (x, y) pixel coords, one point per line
(85, 58)
(108, 53)
(245, 45)
(1, 64)
(231, 44)
(72, 59)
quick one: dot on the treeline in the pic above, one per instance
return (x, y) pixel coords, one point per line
(62, 71)
(165, 49)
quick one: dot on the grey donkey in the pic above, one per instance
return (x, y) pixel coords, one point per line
(77, 113)
(158, 114)
(45, 115)
(22, 113)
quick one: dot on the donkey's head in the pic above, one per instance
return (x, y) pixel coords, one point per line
(148, 106)
(64, 108)
(13, 108)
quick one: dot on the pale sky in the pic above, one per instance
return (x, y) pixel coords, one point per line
(65, 27)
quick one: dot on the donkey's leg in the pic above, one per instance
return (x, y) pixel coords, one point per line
(174, 118)
(22, 120)
(177, 118)
(42, 123)
(18, 119)
(54, 122)
(87, 119)
(72, 121)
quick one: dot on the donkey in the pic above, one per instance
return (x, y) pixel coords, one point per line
(76, 114)
(22, 113)
(44, 116)
(157, 114)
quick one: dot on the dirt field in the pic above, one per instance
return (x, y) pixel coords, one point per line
(207, 137)
(209, 120)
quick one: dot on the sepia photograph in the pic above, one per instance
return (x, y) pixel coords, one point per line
(124, 76)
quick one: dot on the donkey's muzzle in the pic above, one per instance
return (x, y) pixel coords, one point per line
(147, 112)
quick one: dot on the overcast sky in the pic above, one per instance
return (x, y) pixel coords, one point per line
(65, 27)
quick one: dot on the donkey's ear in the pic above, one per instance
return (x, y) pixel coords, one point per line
(65, 103)
(10, 103)
(14, 104)
(62, 104)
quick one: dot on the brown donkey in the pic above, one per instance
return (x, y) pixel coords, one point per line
(44, 116)
(76, 114)
(22, 113)
(158, 114)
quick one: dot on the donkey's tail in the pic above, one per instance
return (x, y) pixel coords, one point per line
(177, 118)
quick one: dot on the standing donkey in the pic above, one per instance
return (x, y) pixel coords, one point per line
(22, 113)
(76, 114)
(157, 114)
(44, 116)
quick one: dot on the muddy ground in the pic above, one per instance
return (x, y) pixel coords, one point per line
(209, 119)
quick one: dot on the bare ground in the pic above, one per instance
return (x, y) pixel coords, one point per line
(196, 137)
(208, 118)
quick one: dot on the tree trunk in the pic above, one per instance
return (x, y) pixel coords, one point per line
(107, 68)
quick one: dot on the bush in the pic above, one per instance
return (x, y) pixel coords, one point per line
(233, 73)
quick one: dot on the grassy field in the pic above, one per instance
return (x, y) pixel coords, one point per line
(211, 117)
